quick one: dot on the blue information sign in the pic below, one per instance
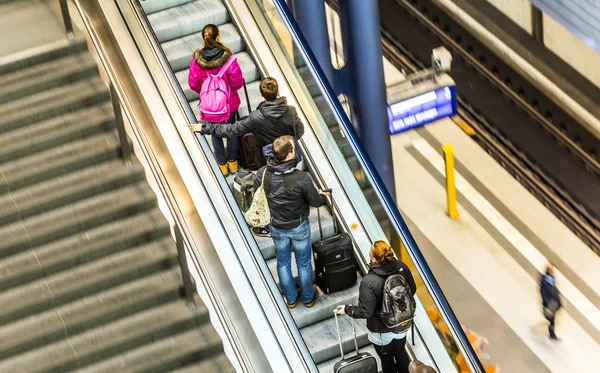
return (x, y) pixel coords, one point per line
(422, 109)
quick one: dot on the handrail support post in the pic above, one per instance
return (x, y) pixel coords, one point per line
(188, 286)
(125, 150)
(64, 9)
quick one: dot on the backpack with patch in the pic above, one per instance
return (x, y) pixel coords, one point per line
(215, 94)
(398, 307)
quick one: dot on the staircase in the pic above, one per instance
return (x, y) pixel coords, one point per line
(177, 25)
(89, 277)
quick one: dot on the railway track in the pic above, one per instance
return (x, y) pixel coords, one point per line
(545, 149)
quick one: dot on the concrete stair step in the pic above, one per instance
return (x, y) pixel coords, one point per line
(153, 6)
(218, 364)
(164, 354)
(42, 77)
(187, 19)
(77, 217)
(109, 340)
(247, 66)
(266, 243)
(52, 102)
(179, 51)
(58, 161)
(322, 338)
(87, 279)
(90, 312)
(55, 131)
(81, 248)
(73, 187)
(41, 54)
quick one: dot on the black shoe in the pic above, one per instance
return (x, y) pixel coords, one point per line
(261, 232)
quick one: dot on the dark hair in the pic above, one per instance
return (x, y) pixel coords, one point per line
(282, 147)
(210, 33)
(269, 88)
(382, 253)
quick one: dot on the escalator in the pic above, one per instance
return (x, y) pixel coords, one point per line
(178, 29)
(335, 159)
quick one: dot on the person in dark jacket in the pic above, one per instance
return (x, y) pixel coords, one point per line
(272, 119)
(550, 298)
(209, 60)
(388, 344)
(290, 193)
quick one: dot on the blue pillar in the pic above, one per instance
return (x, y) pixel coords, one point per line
(363, 56)
(310, 15)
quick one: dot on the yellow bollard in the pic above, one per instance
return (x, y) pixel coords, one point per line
(450, 187)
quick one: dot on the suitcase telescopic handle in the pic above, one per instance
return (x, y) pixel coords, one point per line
(337, 325)
(335, 226)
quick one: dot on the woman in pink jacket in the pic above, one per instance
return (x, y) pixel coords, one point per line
(209, 60)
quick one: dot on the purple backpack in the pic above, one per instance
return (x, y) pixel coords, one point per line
(214, 95)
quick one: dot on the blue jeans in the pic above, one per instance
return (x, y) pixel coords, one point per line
(299, 239)
(232, 145)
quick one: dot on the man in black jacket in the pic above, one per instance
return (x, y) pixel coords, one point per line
(290, 194)
(273, 118)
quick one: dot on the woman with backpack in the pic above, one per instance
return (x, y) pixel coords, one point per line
(388, 342)
(216, 76)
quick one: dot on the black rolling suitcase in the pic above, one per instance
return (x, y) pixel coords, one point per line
(362, 362)
(250, 153)
(334, 261)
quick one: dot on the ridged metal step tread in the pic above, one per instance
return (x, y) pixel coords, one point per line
(70, 188)
(77, 217)
(266, 243)
(165, 354)
(81, 248)
(55, 132)
(109, 340)
(153, 6)
(218, 364)
(179, 51)
(96, 276)
(187, 19)
(45, 76)
(249, 71)
(322, 338)
(89, 312)
(56, 101)
(54, 162)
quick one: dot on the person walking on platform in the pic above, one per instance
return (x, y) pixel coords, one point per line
(551, 301)
(388, 342)
(273, 118)
(290, 193)
(216, 75)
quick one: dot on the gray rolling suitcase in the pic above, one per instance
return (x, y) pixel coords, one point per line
(362, 362)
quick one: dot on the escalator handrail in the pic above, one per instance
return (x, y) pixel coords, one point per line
(382, 192)
(181, 99)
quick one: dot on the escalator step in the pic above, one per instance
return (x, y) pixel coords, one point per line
(187, 19)
(153, 6)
